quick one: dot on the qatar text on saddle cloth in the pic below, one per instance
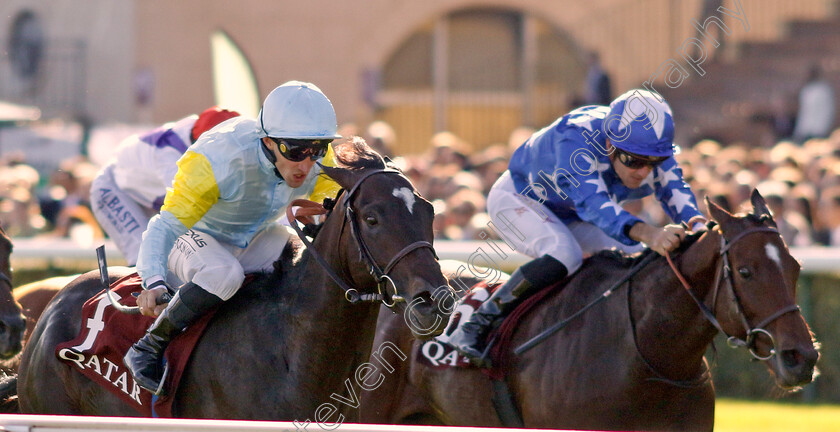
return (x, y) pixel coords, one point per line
(436, 353)
(105, 337)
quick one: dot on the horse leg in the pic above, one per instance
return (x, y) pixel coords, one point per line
(461, 396)
(687, 409)
(387, 404)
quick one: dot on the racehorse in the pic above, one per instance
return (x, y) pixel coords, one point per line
(285, 343)
(636, 360)
(35, 296)
(11, 319)
(33, 299)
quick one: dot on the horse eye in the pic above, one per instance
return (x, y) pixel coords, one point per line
(370, 220)
(744, 272)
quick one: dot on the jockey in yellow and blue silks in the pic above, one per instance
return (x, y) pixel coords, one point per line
(220, 218)
(561, 199)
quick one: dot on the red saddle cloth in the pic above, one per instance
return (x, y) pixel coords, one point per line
(438, 354)
(106, 336)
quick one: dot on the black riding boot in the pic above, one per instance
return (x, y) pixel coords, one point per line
(468, 338)
(144, 359)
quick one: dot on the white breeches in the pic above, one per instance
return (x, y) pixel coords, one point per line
(532, 229)
(220, 268)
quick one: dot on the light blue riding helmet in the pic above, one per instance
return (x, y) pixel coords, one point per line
(641, 122)
(298, 110)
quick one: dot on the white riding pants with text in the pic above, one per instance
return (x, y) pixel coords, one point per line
(220, 268)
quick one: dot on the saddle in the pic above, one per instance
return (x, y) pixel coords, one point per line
(107, 334)
(436, 353)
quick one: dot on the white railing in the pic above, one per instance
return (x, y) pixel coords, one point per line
(42, 423)
(30, 253)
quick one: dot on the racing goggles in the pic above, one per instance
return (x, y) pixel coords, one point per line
(635, 161)
(297, 150)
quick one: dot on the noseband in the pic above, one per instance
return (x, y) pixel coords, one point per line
(724, 272)
(6, 279)
(381, 276)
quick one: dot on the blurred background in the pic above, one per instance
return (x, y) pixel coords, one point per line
(448, 88)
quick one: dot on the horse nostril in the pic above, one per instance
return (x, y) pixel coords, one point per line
(423, 300)
(791, 358)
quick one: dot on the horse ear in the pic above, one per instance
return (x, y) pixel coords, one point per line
(759, 205)
(342, 176)
(761, 209)
(720, 215)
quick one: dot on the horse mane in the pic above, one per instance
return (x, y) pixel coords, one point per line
(620, 259)
(356, 155)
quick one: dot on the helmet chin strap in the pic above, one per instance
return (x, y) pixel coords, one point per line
(271, 158)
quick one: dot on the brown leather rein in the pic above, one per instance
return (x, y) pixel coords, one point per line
(724, 272)
(381, 276)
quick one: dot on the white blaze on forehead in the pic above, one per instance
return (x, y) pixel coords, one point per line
(773, 254)
(406, 195)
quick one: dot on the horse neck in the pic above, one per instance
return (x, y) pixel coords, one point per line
(337, 333)
(672, 332)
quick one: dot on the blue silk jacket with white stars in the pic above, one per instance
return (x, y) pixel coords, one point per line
(565, 166)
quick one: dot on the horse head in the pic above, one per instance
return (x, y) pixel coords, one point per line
(12, 321)
(755, 294)
(391, 226)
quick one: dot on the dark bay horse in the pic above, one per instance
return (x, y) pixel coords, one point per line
(11, 319)
(284, 344)
(636, 360)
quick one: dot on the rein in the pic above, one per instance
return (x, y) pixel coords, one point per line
(542, 336)
(722, 273)
(381, 276)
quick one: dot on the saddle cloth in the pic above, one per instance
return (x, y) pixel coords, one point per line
(106, 336)
(436, 353)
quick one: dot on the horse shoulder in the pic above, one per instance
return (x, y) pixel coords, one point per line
(578, 349)
(396, 397)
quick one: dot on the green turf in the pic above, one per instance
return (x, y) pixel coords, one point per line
(744, 416)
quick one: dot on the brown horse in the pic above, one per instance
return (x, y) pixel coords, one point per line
(285, 344)
(636, 360)
(33, 299)
(11, 319)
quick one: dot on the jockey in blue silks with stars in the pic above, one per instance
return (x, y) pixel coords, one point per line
(561, 197)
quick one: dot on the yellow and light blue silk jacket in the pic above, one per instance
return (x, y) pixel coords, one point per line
(225, 187)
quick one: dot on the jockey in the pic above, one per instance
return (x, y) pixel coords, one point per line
(220, 218)
(562, 193)
(130, 188)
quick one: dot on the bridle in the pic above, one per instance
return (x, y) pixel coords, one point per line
(724, 273)
(3, 276)
(7, 280)
(380, 275)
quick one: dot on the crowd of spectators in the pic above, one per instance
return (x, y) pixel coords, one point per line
(801, 183)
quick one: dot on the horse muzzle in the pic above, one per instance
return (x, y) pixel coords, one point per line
(795, 367)
(424, 313)
(12, 328)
